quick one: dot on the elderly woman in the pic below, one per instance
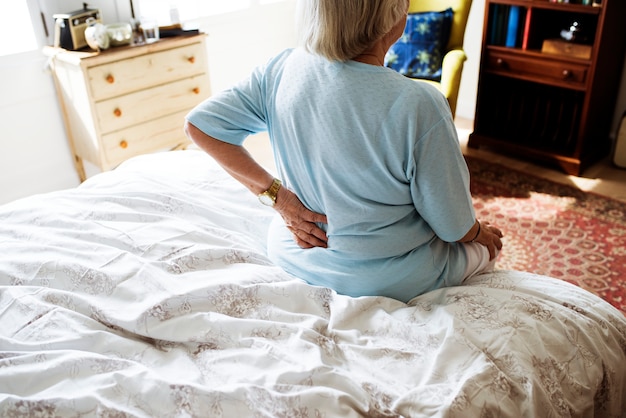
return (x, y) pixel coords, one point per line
(373, 191)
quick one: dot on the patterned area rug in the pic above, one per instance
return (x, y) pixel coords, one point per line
(554, 229)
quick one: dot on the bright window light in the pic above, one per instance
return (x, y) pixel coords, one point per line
(187, 9)
(16, 31)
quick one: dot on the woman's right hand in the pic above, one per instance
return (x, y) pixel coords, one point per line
(301, 221)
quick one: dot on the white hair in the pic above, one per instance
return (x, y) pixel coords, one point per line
(342, 29)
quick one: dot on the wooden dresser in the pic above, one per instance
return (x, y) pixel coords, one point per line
(131, 100)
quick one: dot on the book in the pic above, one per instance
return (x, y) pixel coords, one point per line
(495, 12)
(526, 32)
(521, 26)
(499, 24)
(496, 24)
(512, 27)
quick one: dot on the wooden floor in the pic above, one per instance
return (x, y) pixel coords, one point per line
(603, 178)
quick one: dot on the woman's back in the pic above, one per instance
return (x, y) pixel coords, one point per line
(347, 140)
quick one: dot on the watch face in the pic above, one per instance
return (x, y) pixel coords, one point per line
(266, 199)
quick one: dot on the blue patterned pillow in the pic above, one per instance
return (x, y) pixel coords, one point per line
(419, 52)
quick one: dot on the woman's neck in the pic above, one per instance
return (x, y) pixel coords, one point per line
(374, 55)
(369, 59)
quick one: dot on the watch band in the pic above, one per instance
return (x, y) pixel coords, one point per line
(269, 196)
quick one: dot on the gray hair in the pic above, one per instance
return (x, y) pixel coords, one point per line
(342, 29)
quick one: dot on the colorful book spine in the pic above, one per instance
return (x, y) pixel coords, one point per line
(526, 29)
(493, 29)
(512, 27)
(521, 26)
(501, 18)
(508, 25)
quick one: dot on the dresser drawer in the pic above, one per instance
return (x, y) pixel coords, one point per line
(541, 70)
(157, 135)
(145, 71)
(142, 106)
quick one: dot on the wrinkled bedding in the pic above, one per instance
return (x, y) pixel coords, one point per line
(146, 292)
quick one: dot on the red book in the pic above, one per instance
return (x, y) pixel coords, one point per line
(526, 30)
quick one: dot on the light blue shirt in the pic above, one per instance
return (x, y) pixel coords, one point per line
(376, 152)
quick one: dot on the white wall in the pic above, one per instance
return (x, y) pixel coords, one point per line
(240, 41)
(466, 104)
(34, 156)
(620, 106)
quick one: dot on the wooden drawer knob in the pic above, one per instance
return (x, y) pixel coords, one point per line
(110, 79)
(196, 90)
(567, 74)
(117, 112)
(191, 60)
(500, 63)
(123, 144)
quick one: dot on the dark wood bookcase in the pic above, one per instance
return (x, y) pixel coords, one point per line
(546, 105)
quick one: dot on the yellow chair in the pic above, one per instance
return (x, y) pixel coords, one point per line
(454, 57)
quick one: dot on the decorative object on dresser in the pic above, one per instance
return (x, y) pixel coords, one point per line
(69, 28)
(540, 97)
(120, 33)
(130, 100)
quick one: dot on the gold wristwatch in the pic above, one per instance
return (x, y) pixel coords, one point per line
(268, 197)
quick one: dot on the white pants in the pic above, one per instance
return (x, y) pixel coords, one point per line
(478, 260)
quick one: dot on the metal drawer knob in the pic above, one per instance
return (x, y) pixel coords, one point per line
(567, 74)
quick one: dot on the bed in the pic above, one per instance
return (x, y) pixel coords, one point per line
(146, 292)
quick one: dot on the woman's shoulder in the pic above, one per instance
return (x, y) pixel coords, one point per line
(279, 59)
(416, 90)
(289, 57)
(416, 84)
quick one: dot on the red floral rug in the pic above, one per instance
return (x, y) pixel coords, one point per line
(554, 229)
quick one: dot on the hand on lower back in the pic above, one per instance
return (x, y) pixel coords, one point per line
(301, 221)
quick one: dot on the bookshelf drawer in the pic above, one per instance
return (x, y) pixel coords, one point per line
(542, 70)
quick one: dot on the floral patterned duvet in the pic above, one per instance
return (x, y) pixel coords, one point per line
(146, 292)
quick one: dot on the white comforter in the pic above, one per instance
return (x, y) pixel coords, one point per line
(146, 292)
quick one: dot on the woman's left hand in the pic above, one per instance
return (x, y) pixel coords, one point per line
(490, 236)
